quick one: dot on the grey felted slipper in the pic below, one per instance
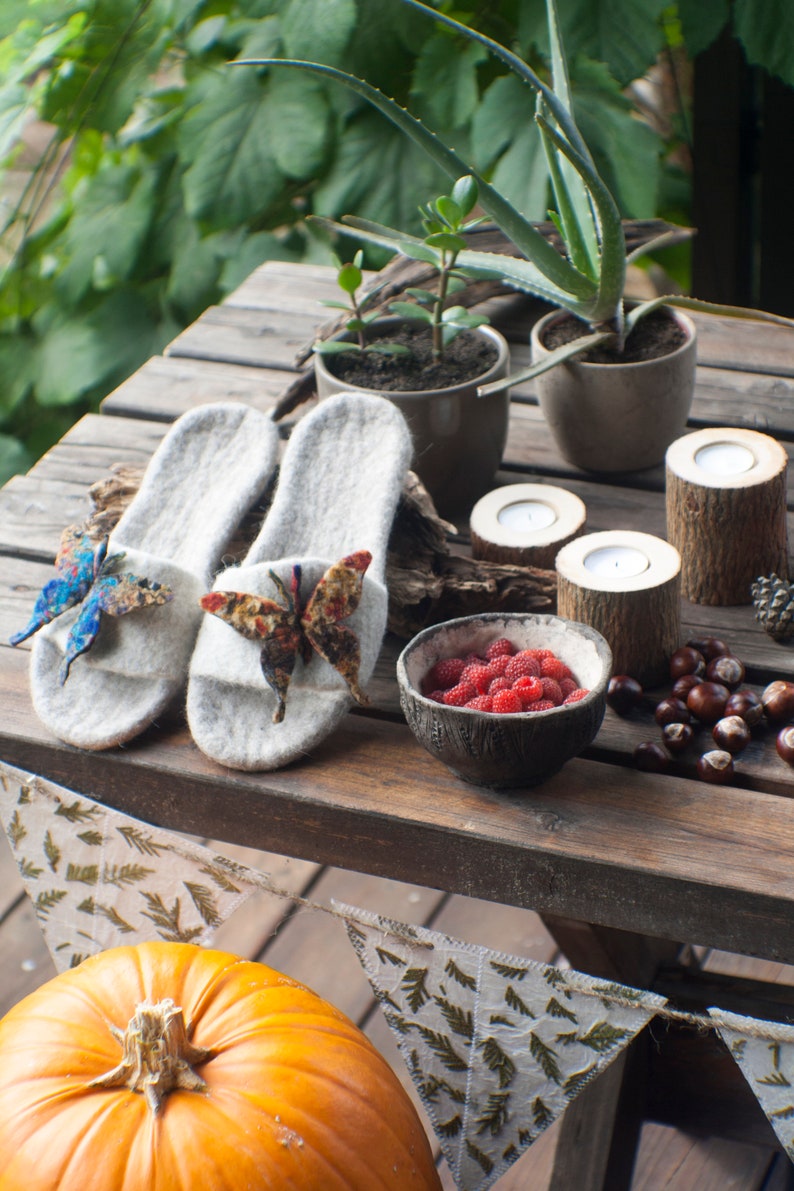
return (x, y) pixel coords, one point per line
(98, 676)
(309, 601)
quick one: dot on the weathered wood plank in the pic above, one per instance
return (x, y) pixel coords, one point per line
(240, 335)
(552, 849)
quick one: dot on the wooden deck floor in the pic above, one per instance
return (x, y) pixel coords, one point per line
(313, 947)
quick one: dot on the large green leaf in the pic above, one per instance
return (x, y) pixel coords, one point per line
(110, 222)
(505, 139)
(627, 37)
(318, 30)
(84, 352)
(193, 280)
(296, 118)
(233, 175)
(627, 151)
(701, 23)
(377, 171)
(767, 32)
(16, 371)
(445, 81)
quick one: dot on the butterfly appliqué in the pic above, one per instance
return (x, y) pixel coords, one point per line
(86, 575)
(291, 630)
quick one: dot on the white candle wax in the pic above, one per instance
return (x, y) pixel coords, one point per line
(527, 516)
(725, 458)
(616, 562)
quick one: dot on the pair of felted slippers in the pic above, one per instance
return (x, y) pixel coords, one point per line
(309, 602)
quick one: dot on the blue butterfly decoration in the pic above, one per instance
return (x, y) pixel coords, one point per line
(86, 575)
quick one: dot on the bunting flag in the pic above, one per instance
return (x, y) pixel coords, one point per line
(764, 1051)
(497, 1046)
(98, 878)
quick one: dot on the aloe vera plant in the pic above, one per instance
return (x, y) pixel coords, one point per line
(589, 278)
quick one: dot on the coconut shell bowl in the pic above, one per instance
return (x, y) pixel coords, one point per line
(512, 749)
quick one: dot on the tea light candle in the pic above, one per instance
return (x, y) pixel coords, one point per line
(525, 524)
(726, 512)
(616, 561)
(627, 586)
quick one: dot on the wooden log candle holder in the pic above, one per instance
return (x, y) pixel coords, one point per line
(726, 512)
(525, 524)
(627, 586)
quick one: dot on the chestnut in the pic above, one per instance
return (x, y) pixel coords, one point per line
(715, 766)
(710, 647)
(651, 757)
(623, 694)
(778, 701)
(727, 669)
(672, 711)
(785, 745)
(687, 660)
(707, 701)
(746, 704)
(731, 733)
(677, 737)
(683, 685)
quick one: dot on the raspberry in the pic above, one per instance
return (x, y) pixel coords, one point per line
(478, 675)
(500, 649)
(506, 703)
(540, 654)
(553, 668)
(458, 695)
(480, 703)
(500, 684)
(522, 663)
(444, 674)
(540, 705)
(497, 666)
(575, 696)
(474, 657)
(437, 696)
(528, 688)
(551, 690)
(567, 686)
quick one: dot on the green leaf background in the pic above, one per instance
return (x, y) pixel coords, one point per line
(172, 173)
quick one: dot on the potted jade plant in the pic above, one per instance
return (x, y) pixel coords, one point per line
(621, 424)
(428, 357)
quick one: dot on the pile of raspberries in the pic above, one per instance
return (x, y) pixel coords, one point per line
(504, 680)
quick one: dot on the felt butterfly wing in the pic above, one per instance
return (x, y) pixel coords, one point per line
(115, 595)
(336, 596)
(77, 563)
(276, 627)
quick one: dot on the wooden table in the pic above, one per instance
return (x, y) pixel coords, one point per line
(624, 866)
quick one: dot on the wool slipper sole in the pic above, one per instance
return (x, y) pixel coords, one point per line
(337, 493)
(207, 472)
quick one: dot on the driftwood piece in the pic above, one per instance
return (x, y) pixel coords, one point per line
(400, 273)
(427, 582)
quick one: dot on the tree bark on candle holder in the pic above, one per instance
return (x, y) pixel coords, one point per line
(727, 537)
(518, 556)
(642, 627)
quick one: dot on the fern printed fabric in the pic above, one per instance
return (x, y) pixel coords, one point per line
(497, 1046)
(98, 878)
(765, 1054)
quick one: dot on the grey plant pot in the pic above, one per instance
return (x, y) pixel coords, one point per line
(617, 417)
(458, 437)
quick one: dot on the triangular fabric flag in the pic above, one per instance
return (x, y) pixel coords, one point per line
(764, 1051)
(98, 878)
(497, 1046)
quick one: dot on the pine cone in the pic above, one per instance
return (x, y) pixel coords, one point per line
(773, 599)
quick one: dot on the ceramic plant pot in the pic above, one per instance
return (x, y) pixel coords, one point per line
(616, 417)
(458, 437)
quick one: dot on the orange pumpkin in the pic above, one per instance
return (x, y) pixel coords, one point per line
(168, 1067)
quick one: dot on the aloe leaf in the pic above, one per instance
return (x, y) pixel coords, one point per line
(698, 304)
(558, 271)
(568, 350)
(580, 241)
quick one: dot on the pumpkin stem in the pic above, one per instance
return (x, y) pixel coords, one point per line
(157, 1055)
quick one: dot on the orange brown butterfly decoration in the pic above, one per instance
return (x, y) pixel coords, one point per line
(291, 630)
